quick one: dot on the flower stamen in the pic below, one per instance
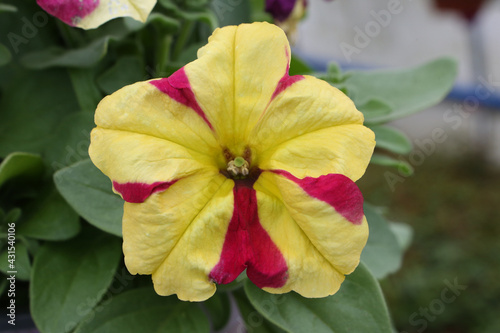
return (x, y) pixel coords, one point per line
(238, 167)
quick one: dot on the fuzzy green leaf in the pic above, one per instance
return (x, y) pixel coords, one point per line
(89, 192)
(142, 310)
(83, 57)
(32, 106)
(49, 217)
(21, 264)
(28, 166)
(70, 278)
(391, 139)
(403, 167)
(405, 91)
(382, 254)
(357, 307)
(127, 70)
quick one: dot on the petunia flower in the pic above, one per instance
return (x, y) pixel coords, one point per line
(287, 14)
(231, 164)
(89, 14)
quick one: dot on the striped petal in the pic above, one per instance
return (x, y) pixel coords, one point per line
(147, 136)
(317, 224)
(177, 235)
(235, 77)
(248, 246)
(313, 129)
(89, 14)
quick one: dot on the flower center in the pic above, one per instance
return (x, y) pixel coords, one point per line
(238, 167)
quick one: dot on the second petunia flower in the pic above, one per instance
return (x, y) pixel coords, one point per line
(231, 164)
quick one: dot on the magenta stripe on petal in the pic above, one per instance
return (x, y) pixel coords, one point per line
(336, 190)
(285, 82)
(139, 192)
(248, 245)
(69, 11)
(177, 86)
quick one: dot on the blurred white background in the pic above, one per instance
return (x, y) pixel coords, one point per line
(403, 33)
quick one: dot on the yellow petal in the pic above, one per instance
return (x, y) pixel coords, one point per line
(235, 77)
(319, 245)
(177, 235)
(144, 136)
(312, 129)
(127, 157)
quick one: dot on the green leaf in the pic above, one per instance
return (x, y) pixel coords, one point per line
(189, 53)
(31, 111)
(127, 70)
(382, 254)
(87, 94)
(5, 56)
(405, 91)
(118, 28)
(166, 24)
(334, 70)
(403, 233)
(195, 13)
(236, 284)
(333, 74)
(142, 310)
(54, 56)
(28, 166)
(357, 307)
(12, 216)
(49, 217)
(70, 278)
(21, 263)
(219, 309)
(299, 67)
(230, 12)
(391, 139)
(402, 166)
(374, 109)
(25, 27)
(254, 321)
(90, 193)
(204, 16)
(70, 140)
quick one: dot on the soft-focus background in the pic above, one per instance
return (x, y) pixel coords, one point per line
(449, 281)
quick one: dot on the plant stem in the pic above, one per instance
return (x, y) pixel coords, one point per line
(186, 30)
(82, 79)
(163, 55)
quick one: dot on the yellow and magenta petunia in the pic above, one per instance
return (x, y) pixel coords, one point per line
(231, 164)
(89, 14)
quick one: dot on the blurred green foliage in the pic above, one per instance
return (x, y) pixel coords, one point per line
(452, 204)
